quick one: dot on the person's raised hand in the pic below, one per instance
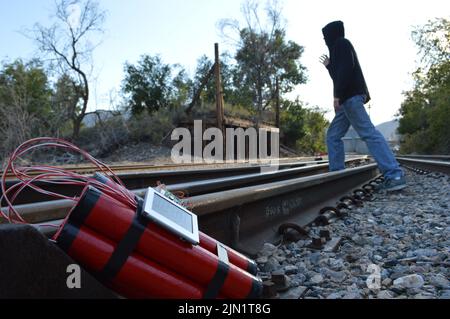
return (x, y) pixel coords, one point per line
(325, 60)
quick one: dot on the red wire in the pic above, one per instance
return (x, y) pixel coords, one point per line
(55, 175)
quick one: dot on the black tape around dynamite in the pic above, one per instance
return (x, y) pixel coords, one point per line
(213, 289)
(256, 290)
(252, 268)
(77, 218)
(126, 246)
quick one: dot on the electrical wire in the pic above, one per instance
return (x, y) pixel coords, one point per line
(46, 175)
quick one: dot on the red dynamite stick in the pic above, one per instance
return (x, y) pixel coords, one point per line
(206, 241)
(113, 219)
(138, 278)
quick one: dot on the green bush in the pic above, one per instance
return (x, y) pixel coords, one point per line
(426, 108)
(152, 128)
(303, 129)
(238, 111)
(106, 136)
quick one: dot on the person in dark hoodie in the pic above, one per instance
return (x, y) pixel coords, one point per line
(350, 95)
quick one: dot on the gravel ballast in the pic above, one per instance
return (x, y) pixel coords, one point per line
(395, 246)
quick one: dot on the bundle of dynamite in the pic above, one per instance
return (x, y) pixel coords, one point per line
(107, 233)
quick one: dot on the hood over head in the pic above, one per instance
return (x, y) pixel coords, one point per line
(333, 31)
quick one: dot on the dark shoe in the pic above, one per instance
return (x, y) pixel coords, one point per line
(394, 184)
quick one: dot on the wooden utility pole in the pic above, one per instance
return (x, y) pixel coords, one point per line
(277, 103)
(219, 92)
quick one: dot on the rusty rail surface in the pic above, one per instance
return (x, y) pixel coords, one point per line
(427, 165)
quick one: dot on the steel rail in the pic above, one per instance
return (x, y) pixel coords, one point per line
(427, 157)
(435, 166)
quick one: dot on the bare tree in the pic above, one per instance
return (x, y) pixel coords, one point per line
(267, 63)
(68, 42)
(230, 29)
(16, 127)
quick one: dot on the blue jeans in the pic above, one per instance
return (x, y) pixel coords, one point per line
(352, 112)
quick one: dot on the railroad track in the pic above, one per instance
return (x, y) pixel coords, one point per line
(193, 182)
(444, 158)
(139, 179)
(142, 167)
(425, 164)
(246, 217)
(245, 211)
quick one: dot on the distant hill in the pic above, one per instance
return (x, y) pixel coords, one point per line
(387, 129)
(351, 133)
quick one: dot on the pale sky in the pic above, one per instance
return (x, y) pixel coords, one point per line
(183, 30)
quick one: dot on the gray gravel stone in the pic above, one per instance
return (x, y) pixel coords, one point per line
(377, 241)
(352, 295)
(294, 293)
(279, 258)
(316, 279)
(271, 265)
(385, 294)
(359, 240)
(298, 279)
(335, 295)
(301, 243)
(315, 258)
(424, 252)
(377, 212)
(387, 282)
(409, 281)
(262, 260)
(336, 264)
(268, 249)
(445, 294)
(440, 281)
(335, 276)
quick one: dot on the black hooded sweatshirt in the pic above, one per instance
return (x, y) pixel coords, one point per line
(344, 68)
